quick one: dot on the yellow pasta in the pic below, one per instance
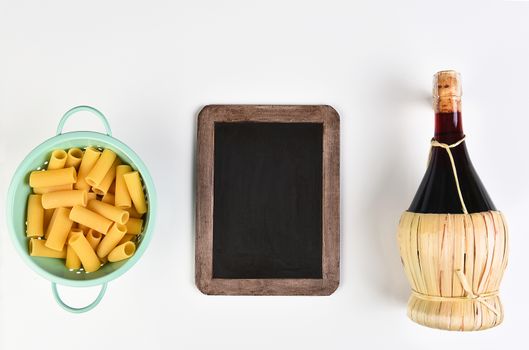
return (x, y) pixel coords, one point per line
(35, 216)
(37, 247)
(54, 177)
(109, 198)
(42, 190)
(87, 206)
(127, 238)
(59, 229)
(101, 168)
(109, 211)
(111, 239)
(93, 238)
(85, 253)
(90, 157)
(64, 199)
(90, 219)
(104, 186)
(134, 226)
(133, 182)
(122, 198)
(122, 252)
(74, 158)
(72, 260)
(57, 159)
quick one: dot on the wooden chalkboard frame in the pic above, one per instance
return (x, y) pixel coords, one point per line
(323, 114)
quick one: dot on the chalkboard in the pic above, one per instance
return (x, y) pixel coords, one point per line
(268, 200)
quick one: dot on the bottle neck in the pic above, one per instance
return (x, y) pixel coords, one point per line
(448, 121)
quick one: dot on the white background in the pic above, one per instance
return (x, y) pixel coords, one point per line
(151, 66)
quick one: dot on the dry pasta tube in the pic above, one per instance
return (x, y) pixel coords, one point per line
(90, 157)
(104, 186)
(122, 252)
(90, 219)
(35, 216)
(127, 238)
(42, 190)
(74, 158)
(72, 260)
(59, 228)
(133, 213)
(101, 168)
(122, 199)
(109, 211)
(64, 199)
(93, 237)
(37, 247)
(57, 159)
(133, 182)
(109, 198)
(111, 239)
(134, 226)
(91, 196)
(85, 253)
(54, 177)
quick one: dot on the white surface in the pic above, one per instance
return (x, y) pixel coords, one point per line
(150, 67)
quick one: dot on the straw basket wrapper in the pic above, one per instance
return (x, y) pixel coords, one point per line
(454, 263)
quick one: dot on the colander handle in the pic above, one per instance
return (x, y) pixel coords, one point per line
(92, 110)
(81, 309)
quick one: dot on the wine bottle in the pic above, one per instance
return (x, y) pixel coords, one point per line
(436, 192)
(453, 242)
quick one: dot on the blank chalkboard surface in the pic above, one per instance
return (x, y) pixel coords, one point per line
(268, 200)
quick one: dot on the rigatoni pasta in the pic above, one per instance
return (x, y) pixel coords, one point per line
(85, 253)
(109, 211)
(101, 167)
(59, 228)
(37, 247)
(73, 158)
(64, 199)
(73, 211)
(133, 182)
(122, 197)
(90, 157)
(57, 159)
(93, 237)
(102, 188)
(111, 239)
(90, 219)
(42, 190)
(72, 260)
(35, 216)
(134, 226)
(54, 177)
(122, 252)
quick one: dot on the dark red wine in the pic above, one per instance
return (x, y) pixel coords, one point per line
(438, 190)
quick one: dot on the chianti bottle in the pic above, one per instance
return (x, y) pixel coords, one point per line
(437, 189)
(453, 242)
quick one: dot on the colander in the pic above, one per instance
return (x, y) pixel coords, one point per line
(54, 269)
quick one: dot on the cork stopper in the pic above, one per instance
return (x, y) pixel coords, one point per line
(447, 91)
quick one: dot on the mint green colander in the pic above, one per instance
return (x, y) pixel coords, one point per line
(54, 269)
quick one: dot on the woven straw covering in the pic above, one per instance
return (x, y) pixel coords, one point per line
(454, 263)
